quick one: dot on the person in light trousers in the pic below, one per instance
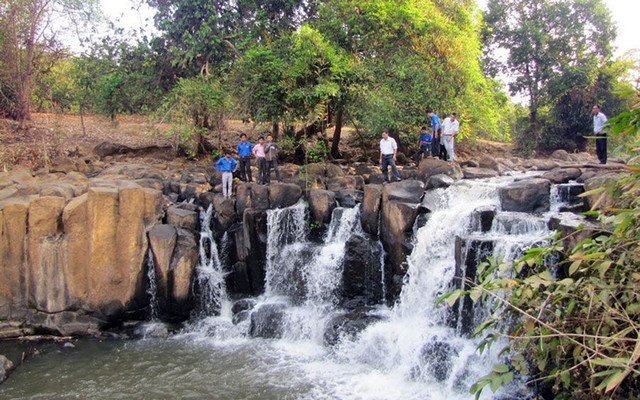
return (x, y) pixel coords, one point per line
(450, 128)
(227, 165)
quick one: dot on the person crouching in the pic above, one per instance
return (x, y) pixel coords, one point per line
(227, 165)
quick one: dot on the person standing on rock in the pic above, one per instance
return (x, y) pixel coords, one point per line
(258, 152)
(388, 154)
(450, 129)
(436, 127)
(271, 150)
(424, 144)
(599, 120)
(227, 165)
(244, 154)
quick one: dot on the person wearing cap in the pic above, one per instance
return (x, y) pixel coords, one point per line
(244, 153)
(424, 145)
(388, 153)
(227, 165)
(450, 128)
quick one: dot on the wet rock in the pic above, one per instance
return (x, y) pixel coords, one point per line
(479, 173)
(469, 253)
(562, 175)
(433, 166)
(225, 214)
(181, 276)
(348, 325)
(267, 321)
(349, 198)
(439, 181)
(182, 218)
(371, 208)
(241, 310)
(5, 368)
(482, 219)
(573, 229)
(530, 195)
(437, 358)
(321, 204)
(254, 228)
(283, 195)
(151, 330)
(362, 270)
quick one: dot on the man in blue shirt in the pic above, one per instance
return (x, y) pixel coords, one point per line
(227, 165)
(244, 153)
(436, 126)
(424, 145)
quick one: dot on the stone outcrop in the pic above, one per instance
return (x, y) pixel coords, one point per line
(479, 173)
(348, 325)
(362, 272)
(321, 204)
(439, 181)
(529, 195)
(267, 321)
(562, 175)
(434, 166)
(48, 243)
(283, 195)
(400, 203)
(371, 208)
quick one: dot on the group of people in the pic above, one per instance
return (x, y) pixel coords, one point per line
(439, 143)
(266, 154)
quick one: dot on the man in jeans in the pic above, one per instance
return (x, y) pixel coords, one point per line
(436, 126)
(599, 120)
(258, 151)
(271, 150)
(227, 166)
(244, 153)
(388, 153)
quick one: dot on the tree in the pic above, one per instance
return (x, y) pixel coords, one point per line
(542, 38)
(28, 32)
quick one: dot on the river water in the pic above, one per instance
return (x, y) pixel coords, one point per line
(211, 358)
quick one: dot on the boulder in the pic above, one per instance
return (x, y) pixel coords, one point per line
(529, 195)
(8, 192)
(362, 275)
(349, 198)
(604, 199)
(562, 175)
(354, 182)
(573, 229)
(371, 208)
(482, 219)
(267, 321)
(434, 166)
(321, 204)
(241, 310)
(225, 214)
(182, 273)
(488, 162)
(438, 358)
(5, 368)
(21, 175)
(182, 218)
(409, 191)
(439, 181)
(543, 164)
(561, 155)
(162, 240)
(348, 325)
(283, 195)
(479, 173)
(105, 149)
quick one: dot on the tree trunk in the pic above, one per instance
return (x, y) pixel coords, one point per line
(275, 129)
(335, 144)
(84, 129)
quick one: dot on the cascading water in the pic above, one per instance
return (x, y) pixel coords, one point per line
(210, 274)
(152, 288)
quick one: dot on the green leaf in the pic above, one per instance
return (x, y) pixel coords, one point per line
(507, 378)
(574, 267)
(496, 382)
(501, 368)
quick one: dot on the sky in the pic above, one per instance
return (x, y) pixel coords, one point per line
(135, 13)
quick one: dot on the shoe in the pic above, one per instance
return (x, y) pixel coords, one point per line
(399, 180)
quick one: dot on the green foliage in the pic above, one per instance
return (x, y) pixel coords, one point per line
(195, 106)
(579, 328)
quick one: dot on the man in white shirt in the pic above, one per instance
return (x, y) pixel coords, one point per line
(599, 120)
(388, 153)
(450, 128)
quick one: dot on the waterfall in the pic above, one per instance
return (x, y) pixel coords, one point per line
(210, 274)
(417, 344)
(152, 288)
